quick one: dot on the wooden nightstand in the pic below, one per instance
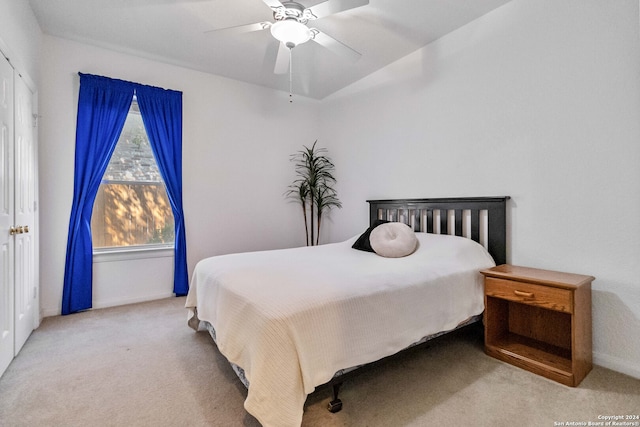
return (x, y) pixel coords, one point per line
(539, 320)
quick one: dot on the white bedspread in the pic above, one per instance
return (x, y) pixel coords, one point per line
(292, 318)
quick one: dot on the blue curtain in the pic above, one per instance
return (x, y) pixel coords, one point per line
(161, 112)
(103, 105)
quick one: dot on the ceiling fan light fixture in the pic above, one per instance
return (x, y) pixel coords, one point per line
(291, 32)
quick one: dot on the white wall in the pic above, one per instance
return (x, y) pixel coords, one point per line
(539, 100)
(21, 39)
(237, 139)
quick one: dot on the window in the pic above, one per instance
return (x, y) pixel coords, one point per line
(132, 207)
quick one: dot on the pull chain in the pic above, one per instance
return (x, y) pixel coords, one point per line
(290, 76)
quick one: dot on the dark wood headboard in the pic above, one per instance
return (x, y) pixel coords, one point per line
(482, 219)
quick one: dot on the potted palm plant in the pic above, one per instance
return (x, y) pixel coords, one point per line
(313, 188)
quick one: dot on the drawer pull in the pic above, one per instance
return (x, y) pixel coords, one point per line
(524, 294)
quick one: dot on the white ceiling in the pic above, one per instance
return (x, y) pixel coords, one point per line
(179, 32)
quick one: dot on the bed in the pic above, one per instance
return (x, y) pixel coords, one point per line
(293, 319)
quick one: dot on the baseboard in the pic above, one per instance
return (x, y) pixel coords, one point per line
(126, 301)
(50, 312)
(616, 364)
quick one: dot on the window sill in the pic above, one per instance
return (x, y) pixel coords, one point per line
(132, 253)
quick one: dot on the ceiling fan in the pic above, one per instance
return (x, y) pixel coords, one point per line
(290, 28)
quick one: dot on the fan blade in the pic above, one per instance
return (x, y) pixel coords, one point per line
(334, 45)
(240, 29)
(330, 7)
(282, 60)
(273, 4)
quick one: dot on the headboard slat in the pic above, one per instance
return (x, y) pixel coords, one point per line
(475, 225)
(459, 216)
(444, 221)
(429, 227)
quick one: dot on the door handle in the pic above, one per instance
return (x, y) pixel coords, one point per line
(18, 230)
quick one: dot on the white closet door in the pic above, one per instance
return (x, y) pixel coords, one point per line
(24, 209)
(6, 215)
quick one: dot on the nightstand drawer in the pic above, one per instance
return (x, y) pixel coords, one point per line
(527, 293)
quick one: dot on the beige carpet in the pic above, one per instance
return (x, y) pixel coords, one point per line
(140, 365)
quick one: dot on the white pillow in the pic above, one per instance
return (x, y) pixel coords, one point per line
(393, 240)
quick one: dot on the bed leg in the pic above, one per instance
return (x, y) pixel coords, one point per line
(336, 404)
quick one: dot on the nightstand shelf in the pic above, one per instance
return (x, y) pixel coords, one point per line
(534, 352)
(539, 320)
